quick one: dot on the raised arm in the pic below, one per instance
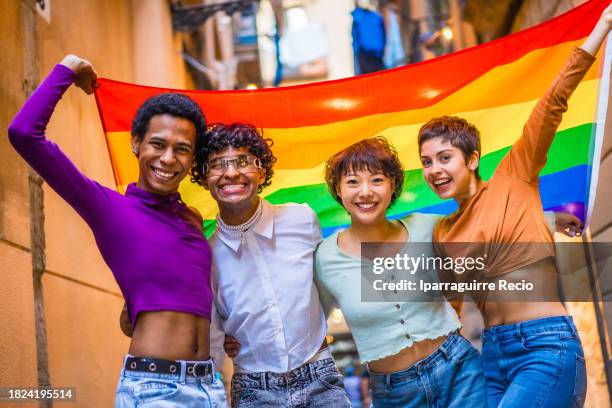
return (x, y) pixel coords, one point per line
(599, 33)
(528, 155)
(27, 135)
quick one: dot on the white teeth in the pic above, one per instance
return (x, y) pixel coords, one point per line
(441, 181)
(233, 187)
(163, 173)
(366, 206)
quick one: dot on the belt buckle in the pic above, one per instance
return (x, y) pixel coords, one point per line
(194, 369)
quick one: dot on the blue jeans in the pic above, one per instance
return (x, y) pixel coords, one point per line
(217, 392)
(537, 363)
(452, 377)
(317, 384)
(145, 389)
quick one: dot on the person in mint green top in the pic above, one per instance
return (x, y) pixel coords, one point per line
(404, 323)
(415, 355)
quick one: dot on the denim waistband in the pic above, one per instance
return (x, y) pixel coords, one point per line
(321, 355)
(556, 324)
(309, 372)
(453, 346)
(181, 374)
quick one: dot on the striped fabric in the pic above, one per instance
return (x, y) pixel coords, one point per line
(494, 85)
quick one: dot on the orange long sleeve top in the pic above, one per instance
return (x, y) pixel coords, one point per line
(506, 211)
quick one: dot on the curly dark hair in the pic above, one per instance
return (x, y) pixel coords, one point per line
(220, 136)
(458, 131)
(374, 155)
(171, 103)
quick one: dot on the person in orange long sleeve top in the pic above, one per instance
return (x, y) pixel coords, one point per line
(531, 350)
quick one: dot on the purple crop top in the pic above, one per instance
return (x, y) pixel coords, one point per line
(159, 258)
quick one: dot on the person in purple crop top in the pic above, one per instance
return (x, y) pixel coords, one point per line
(149, 238)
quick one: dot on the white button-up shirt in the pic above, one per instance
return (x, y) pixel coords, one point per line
(264, 291)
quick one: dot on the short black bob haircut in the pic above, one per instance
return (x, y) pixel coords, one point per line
(174, 104)
(375, 155)
(221, 136)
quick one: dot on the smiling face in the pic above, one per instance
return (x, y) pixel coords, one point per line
(165, 153)
(446, 171)
(235, 189)
(365, 195)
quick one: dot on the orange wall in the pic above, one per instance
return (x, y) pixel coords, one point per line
(82, 302)
(157, 53)
(17, 333)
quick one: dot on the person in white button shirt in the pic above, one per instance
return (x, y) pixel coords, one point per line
(262, 278)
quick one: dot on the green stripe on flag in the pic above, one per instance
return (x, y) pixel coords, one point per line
(570, 148)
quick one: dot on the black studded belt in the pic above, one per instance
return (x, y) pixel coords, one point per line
(159, 366)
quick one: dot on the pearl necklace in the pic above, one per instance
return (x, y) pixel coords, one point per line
(239, 231)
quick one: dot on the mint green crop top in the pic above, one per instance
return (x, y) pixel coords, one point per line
(381, 329)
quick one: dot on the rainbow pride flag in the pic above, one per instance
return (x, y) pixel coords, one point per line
(494, 85)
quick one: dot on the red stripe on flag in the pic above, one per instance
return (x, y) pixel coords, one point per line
(411, 87)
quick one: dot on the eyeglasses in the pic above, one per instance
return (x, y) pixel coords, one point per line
(242, 163)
